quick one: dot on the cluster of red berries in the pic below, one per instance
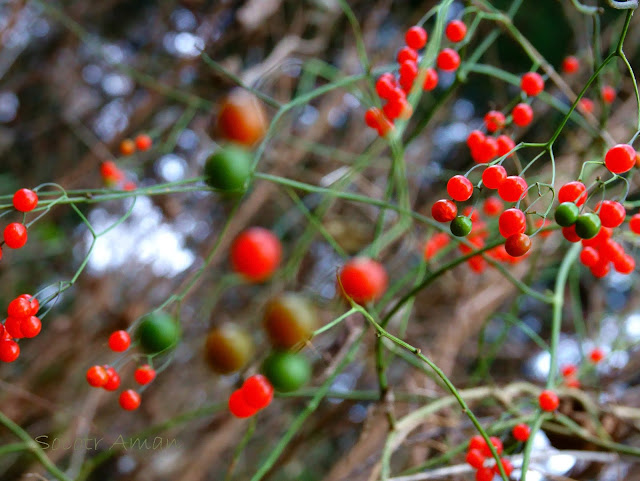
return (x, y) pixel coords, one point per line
(113, 176)
(15, 233)
(255, 394)
(142, 142)
(393, 91)
(571, 65)
(107, 377)
(478, 453)
(21, 322)
(570, 371)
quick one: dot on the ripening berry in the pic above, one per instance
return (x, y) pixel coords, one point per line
(144, 374)
(532, 84)
(475, 458)
(505, 145)
(512, 189)
(119, 341)
(459, 188)
(521, 432)
(257, 391)
(110, 172)
(574, 191)
(444, 210)
(242, 118)
(611, 213)
(9, 350)
(430, 79)
(448, 60)
(97, 376)
(596, 355)
(256, 254)
(30, 326)
(404, 54)
(570, 64)
(239, 407)
(113, 383)
(494, 120)
(620, 158)
(363, 279)
(608, 94)
(456, 31)
(484, 474)
(127, 147)
(512, 221)
(492, 206)
(634, 224)
(517, 245)
(493, 176)
(416, 37)
(522, 114)
(25, 200)
(15, 235)
(129, 400)
(548, 400)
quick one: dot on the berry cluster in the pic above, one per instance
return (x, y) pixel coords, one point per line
(570, 372)
(142, 142)
(478, 453)
(21, 322)
(15, 233)
(113, 176)
(394, 90)
(255, 394)
(108, 378)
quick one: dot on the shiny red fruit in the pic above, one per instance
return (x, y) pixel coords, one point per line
(363, 279)
(532, 83)
(119, 341)
(144, 374)
(493, 176)
(521, 432)
(570, 64)
(9, 350)
(256, 254)
(113, 383)
(494, 120)
(448, 60)
(257, 391)
(512, 221)
(522, 114)
(456, 31)
(97, 376)
(548, 400)
(512, 189)
(459, 188)
(25, 200)
(444, 210)
(620, 158)
(129, 400)
(15, 235)
(416, 37)
(239, 407)
(574, 191)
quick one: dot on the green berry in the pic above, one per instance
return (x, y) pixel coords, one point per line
(461, 226)
(158, 332)
(567, 214)
(229, 169)
(287, 371)
(588, 225)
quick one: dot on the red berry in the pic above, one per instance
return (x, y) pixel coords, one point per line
(416, 37)
(33, 302)
(239, 407)
(634, 224)
(570, 64)
(608, 94)
(430, 79)
(492, 206)
(548, 400)
(494, 120)
(257, 391)
(475, 458)
(255, 254)
(486, 151)
(456, 31)
(512, 221)
(475, 138)
(569, 370)
(601, 269)
(444, 210)
(522, 114)
(119, 341)
(610, 250)
(143, 142)
(505, 145)
(611, 213)
(25, 200)
(363, 279)
(30, 326)
(113, 382)
(596, 355)
(144, 374)
(506, 465)
(127, 147)
(9, 350)
(129, 400)
(97, 376)
(569, 233)
(15, 235)
(448, 60)
(517, 245)
(408, 70)
(110, 172)
(586, 105)
(459, 188)
(497, 444)
(589, 256)
(477, 442)
(493, 176)
(532, 84)
(393, 108)
(13, 327)
(620, 158)
(572, 382)
(433, 245)
(19, 307)
(521, 432)
(574, 191)
(385, 85)
(406, 53)
(484, 474)
(625, 265)
(512, 189)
